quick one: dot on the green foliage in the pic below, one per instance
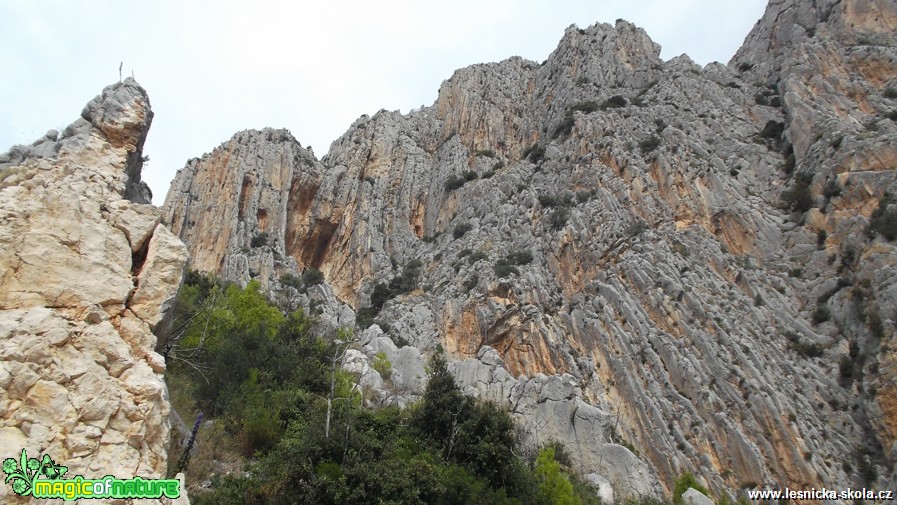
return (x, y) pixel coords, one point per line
(566, 125)
(406, 282)
(461, 229)
(821, 314)
(382, 365)
(883, 220)
(498, 165)
(365, 317)
(519, 258)
(454, 182)
(486, 152)
(470, 175)
(798, 198)
(811, 350)
(559, 217)
(890, 93)
(259, 240)
(291, 280)
(772, 130)
(534, 153)
(614, 102)
(504, 270)
(269, 378)
(649, 144)
(477, 256)
(554, 487)
(312, 276)
(565, 200)
(584, 196)
(681, 485)
(821, 237)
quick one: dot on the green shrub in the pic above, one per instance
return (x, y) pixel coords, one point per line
(461, 229)
(565, 127)
(259, 240)
(471, 282)
(382, 365)
(565, 200)
(364, 318)
(649, 144)
(812, 350)
(773, 130)
(584, 196)
(477, 256)
(454, 182)
(883, 220)
(798, 198)
(821, 314)
(291, 280)
(890, 93)
(489, 153)
(470, 175)
(519, 258)
(559, 218)
(554, 487)
(312, 277)
(588, 107)
(535, 153)
(503, 269)
(614, 102)
(498, 165)
(683, 483)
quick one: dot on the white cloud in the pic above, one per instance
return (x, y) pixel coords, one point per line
(214, 68)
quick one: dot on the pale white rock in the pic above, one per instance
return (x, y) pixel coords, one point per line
(694, 497)
(74, 361)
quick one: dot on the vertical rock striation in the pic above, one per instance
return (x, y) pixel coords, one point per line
(664, 267)
(88, 272)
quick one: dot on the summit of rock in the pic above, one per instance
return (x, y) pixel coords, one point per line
(88, 274)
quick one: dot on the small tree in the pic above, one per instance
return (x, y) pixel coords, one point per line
(554, 488)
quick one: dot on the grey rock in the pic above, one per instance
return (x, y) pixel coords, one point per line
(694, 497)
(669, 303)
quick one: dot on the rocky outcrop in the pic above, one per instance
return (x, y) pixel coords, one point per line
(87, 274)
(675, 251)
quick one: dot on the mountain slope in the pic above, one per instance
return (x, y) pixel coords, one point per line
(679, 250)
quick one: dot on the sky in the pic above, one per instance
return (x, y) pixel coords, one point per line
(213, 68)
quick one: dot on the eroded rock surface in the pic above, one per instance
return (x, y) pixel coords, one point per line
(610, 240)
(87, 274)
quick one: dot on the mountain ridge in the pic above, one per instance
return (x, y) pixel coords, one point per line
(675, 310)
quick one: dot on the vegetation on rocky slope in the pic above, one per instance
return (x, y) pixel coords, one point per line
(264, 379)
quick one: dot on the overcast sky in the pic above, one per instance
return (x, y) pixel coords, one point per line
(213, 68)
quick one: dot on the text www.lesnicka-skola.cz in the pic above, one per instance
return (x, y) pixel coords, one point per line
(820, 494)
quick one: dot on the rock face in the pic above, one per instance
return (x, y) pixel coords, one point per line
(87, 274)
(662, 266)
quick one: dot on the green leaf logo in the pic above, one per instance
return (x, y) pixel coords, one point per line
(22, 474)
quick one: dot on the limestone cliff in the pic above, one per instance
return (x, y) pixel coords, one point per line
(626, 251)
(88, 272)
